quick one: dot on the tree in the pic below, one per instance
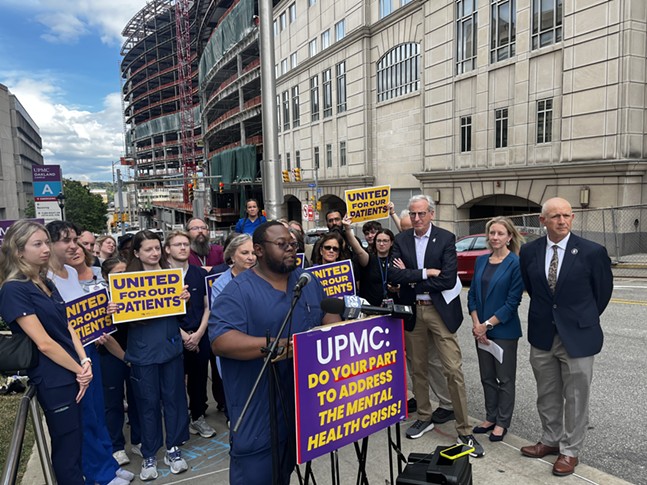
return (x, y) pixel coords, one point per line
(85, 209)
(30, 210)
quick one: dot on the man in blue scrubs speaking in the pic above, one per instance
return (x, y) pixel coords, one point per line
(251, 307)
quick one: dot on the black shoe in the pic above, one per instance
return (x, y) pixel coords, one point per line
(495, 438)
(442, 415)
(469, 440)
(483, 429)
(412, 405)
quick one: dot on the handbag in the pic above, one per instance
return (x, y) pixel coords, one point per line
(17, 352)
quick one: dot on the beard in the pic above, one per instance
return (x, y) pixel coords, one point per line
(280, 266)
(201, 245)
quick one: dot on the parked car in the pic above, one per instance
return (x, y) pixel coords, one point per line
(468, 248)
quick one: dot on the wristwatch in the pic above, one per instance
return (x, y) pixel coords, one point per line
(87, 359)
(488, 325)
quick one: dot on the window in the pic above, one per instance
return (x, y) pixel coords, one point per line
(340, 30)
(342, 153)
(325, 39)
(293, 60)
(466, 27)
(311, 2)
(329, 156)
(314, 98)
(286, 110)
(545, 120)
(316, 158)
(284, 66)
(288, 164)
(276, 28)
(277, 71)
(312, 48)
(385, 8)
(502, 30)
(293, 12)
(278, 112)
(546, 22)
(340, 71)
(501, 128)
(296, 115)
(398, 72)
(283, 20)
(326, 82)
(466, 133)
(404, 2)
(297, 159)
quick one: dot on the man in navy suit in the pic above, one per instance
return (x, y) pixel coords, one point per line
(570, 283)
(427, 266)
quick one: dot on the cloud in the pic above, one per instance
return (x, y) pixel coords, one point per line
(83, 142)
(67, 21)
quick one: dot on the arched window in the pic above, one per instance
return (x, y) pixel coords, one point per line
(398, 72)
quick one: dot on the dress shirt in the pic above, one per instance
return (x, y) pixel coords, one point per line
(561, 251)
(421, 249)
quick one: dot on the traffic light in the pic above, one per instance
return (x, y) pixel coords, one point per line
(286, 175)
(191, 194)
(221, 187)
(297, 174)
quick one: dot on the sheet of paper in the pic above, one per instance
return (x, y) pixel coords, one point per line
(494, 349)
(449, 295)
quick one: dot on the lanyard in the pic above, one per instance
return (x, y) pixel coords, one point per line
(384, 272)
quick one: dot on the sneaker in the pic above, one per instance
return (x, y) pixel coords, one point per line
(118, 481)
(412, 405)
(125, 474)
(442, 415)
(418, 428)
(200, 426)
(121, 457)
(137, 449)
(149, 469)
(469, 440)
(173, 459)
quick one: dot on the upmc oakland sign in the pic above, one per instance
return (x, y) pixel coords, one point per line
(47, 185)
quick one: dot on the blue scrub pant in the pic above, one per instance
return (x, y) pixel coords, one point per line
(64, 422)
(99, 466)
(158, 385)
(115, 374)
(257, 468)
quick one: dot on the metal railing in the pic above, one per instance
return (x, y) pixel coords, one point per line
(10, 472)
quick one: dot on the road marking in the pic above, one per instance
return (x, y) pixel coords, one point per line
(634, 287)
(629, 302)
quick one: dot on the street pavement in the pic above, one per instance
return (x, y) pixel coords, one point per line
(613, 450)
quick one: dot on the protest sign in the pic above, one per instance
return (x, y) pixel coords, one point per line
(141, 295)
(209, 281)
(337, 278)
(6, 224)
(350, 382)
(301, 260)
(89, 317)
(369, 203)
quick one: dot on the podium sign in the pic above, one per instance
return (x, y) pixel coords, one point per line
(350, 382)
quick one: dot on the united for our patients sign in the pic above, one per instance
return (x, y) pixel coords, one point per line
(368, 203)
(89, 317)
(336, 278)
(141, 295)
(350, 382)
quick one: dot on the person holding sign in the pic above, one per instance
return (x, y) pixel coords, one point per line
(330, 246)
(30, 304)
(251, 309)
(193, 328)
(154, 351)
(493, 300)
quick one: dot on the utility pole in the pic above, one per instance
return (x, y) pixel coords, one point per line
(270, 168)
(120, 198)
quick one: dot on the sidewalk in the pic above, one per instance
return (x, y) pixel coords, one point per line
(502, 464)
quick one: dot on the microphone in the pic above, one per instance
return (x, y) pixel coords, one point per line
(303, 280)
(351, 307)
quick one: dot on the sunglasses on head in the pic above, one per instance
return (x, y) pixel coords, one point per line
(331, 248)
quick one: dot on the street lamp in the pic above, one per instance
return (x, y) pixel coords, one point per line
(61, 204)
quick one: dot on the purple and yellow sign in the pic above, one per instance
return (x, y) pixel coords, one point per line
(350, 382)
(141, 295)
(7, 223)
(368, 203)
(89, 317)
(337, 278)
(301, 260)
(209, 281)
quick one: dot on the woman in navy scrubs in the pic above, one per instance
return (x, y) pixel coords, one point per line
(32, 305)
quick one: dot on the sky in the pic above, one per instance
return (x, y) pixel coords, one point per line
(61, 60)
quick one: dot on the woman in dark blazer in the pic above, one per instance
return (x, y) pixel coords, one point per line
(493, 300)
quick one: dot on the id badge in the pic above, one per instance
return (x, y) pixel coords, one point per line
(387, 302)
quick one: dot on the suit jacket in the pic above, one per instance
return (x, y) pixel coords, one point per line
(502, 298)
(440, 254)
(583, 290)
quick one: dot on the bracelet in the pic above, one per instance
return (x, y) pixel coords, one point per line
(84, 361)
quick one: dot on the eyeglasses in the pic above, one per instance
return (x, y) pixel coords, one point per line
(334, 219)
(198, 228)
(420, 215)
(382, 241)
(181, 245)
(284, 245)
(332, 248)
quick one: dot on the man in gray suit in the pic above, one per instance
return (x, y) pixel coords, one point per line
(570, 283)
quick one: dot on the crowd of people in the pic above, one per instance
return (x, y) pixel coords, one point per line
(160, 366)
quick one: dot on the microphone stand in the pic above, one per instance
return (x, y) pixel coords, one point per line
(271, 353)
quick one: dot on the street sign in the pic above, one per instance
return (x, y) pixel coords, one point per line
(304, 212)
(311, 213)
(312, 185)
(48, 183)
